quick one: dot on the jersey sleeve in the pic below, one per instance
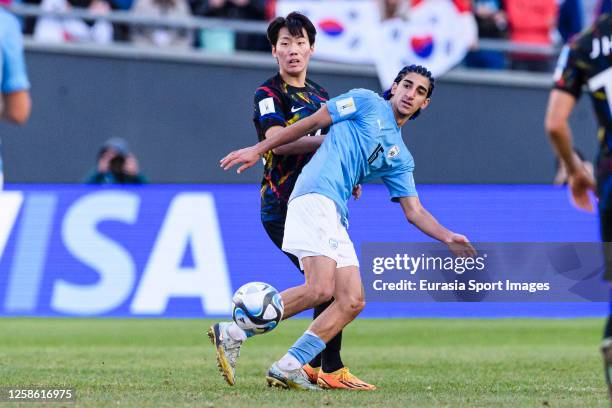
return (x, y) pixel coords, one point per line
(14, 76)
(400, 184)
(351, 105)
(569, 75)
(269, 110)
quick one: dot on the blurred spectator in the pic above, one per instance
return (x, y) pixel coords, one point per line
(492, 23)
(570, 19)
(603, 7)
(29, 22)
(561, 170)
(116, 165)
(531, 22)
(60, 29)
(15, 104)
(121, 31)
(161, 36)
(226, 40)
(394, 9)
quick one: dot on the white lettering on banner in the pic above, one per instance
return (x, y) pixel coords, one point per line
(10, 203)
(603, 80)
(191, 220)
(109, 259)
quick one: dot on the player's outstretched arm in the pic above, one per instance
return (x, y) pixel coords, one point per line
(250, 155)
(305, 144)
(423, 220)
(560, 106)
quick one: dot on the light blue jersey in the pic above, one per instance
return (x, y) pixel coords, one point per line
(363, 144)
(13, 75)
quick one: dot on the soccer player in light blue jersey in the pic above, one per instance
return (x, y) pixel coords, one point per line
(363, 144)
(15, 104)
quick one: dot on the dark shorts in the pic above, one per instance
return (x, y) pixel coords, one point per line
(276, 231)
(603, 169)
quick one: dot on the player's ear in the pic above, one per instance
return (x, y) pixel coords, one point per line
(393, 89)
(425, 103)
(274, 51)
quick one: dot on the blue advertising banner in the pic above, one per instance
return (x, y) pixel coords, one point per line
(181, 251)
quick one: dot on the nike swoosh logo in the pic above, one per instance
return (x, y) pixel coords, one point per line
(293, 110)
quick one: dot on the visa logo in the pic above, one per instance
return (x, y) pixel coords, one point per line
(39, 224)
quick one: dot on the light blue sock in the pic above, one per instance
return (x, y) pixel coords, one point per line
(307, 347)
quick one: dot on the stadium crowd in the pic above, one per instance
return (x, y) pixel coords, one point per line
(545, 23)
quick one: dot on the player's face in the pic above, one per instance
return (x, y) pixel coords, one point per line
(292, 53)
(410, 94)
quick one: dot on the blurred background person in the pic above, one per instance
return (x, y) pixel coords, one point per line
(394, 9)
(531, 22)
(162, 36)
(492, 23)
(116, 165)
(225, 40)
(15, 103)
(64, 29)
(571, 19)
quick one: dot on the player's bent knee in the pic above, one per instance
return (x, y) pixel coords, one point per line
(320, 294)
(352, 305)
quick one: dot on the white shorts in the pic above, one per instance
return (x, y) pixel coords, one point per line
(313, 227)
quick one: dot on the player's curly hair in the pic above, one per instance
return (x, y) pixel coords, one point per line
(419, 69)
(294, 22)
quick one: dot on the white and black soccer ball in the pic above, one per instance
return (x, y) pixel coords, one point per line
(258, 307)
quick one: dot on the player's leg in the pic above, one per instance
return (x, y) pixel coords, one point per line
(227, 337)
(331, 355)
(288, 371)
(605, 218)
(348, 303)
(339, 376)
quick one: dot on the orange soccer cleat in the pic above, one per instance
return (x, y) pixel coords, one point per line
(312, 373)
(343, 379)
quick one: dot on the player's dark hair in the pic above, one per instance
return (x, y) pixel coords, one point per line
(294, 22)
(419, 69)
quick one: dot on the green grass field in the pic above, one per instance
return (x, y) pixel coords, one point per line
(415, 363)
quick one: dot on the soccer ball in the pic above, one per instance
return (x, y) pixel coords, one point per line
(258, 307)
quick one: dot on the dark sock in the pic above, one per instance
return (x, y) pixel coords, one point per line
(608, 329)
(329, 358)
(606, 351)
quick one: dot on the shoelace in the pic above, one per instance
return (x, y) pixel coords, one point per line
(345, 375)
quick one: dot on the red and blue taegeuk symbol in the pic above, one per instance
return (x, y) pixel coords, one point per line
(422, 46)
(331, 27)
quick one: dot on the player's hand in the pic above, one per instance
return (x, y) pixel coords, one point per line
(105, 159)
(357, 191)
(581, 182)
(460, 246)
(131, 165)
(247, 157)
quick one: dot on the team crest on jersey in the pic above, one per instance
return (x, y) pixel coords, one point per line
(393, 152)
(266, 106)
(346, 106)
